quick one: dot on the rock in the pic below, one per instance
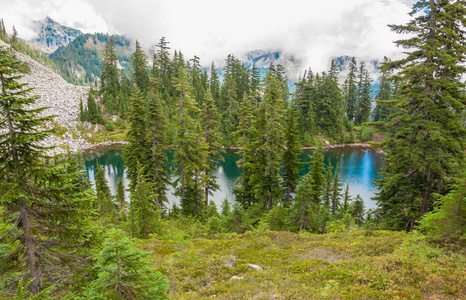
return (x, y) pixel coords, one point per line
(236, 278)
(61, 98)
(255, 267)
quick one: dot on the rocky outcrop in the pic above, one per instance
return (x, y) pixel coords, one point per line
(51, 35)
(62, 100)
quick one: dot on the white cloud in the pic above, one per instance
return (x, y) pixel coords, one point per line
(311, 30)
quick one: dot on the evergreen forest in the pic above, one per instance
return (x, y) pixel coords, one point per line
(285, 236)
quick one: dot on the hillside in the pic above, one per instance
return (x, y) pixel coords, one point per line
(61, 97)
(81, 57)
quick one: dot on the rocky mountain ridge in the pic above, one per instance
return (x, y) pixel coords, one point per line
(51, 35)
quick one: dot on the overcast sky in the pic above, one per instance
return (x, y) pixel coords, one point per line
(311, 30)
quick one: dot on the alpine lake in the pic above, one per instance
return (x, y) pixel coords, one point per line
(357, 166)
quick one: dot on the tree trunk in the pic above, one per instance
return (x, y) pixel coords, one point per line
(30, 249)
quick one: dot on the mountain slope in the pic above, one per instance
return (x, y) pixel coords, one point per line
(82, 56)
(61, 97)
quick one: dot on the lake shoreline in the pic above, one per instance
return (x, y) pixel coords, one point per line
(352, 145)
(103, 145)
(108, 144)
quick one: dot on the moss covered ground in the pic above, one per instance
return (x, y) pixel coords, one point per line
(345, 265)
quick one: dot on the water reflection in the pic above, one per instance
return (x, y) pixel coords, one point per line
(357, 166)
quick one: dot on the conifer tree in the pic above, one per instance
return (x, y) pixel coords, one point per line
(125, 273)
(317, 169)
(214, 84)
(140, 74)
(329, 106)
(358, 210)
(428, 140)
(161, 64)
(273, 108)
(210, 127)
(104, 197)
(120, 199)
(291, 162)
(38, 198)
(138, 148)
(327, 196)
(156, 167)
(302, 214)
(336, 191)
(346, 199)
(384, 96)
(351, 90)
(255, 86)
(190, 149)
(243, 189)
(143, 210)
(109, 80)
(363, 108)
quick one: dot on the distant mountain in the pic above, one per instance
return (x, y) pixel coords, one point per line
(82, 56)
(263, 60)
(51, 35)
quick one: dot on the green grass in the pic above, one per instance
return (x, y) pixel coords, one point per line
(354, 265)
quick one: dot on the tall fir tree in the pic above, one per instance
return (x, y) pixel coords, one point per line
(384, 96)
(427, 140)
(274, 137)
(37, 197)
(139, 69)
(210, 127)
(138, 148)
(189, 155)
(336, 191)
(109, 80)
(104, 197)
(351, 92)
(302, 214)
(364, 104)
(317, 169)
(156, 166)
(291, 162)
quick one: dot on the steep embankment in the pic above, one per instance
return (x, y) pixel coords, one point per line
(63, 100)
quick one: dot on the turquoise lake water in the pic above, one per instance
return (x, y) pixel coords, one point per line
(358, 166)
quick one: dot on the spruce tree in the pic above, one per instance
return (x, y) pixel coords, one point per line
(273, 109)
(210, 127)
(38, 198)
(302, 214)
(104, 197)
(124, 272)
(139, 70)
(327, 196)
(384, 96)
(351, 90)
(109, 80)
(357, 210)
(291, 162)
(138, 148)
(317, 169)
(346, 199)
(156, 166)
(336, 192)
(190, 150)
(363, 108)
(427, 139)
(120, 199)
(142, 209)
